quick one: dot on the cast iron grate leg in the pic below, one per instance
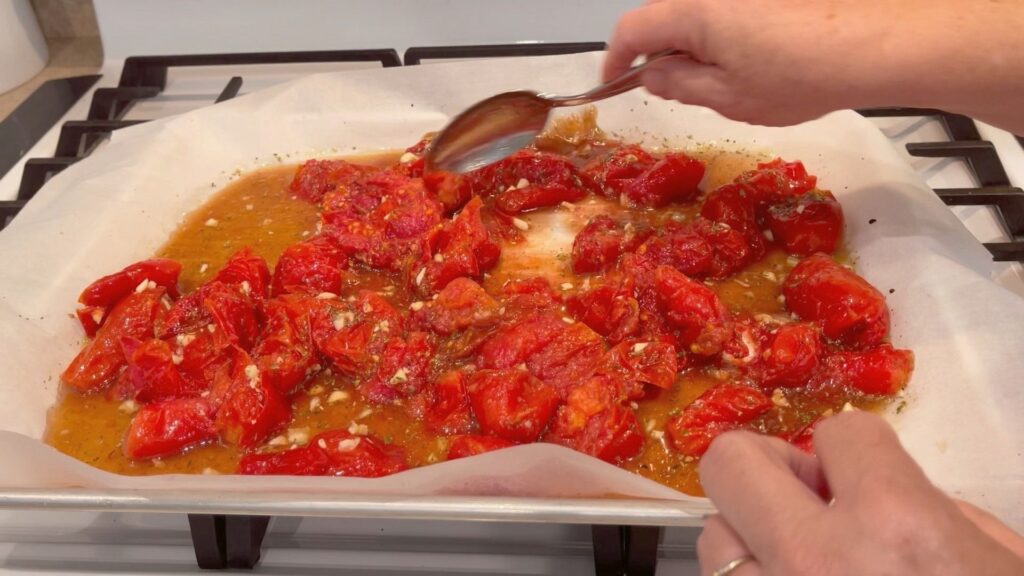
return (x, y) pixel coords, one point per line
(625, 550)
(222, 541)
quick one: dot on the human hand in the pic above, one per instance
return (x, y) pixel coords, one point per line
(886, 517)
(780, 62)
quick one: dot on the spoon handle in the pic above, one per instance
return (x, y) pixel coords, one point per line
(625, 82)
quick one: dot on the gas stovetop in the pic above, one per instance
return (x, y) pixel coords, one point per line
(970, 166)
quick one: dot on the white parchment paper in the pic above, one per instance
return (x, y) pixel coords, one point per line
(963, 417)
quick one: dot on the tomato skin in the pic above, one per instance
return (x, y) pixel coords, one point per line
(511, 404)
(315, 178)
(678, 246)
(653, 363)
(151, 374)
(720, 409)
(447, 409)
(792, 356)
(284, 353)
(614, 171)
(543, 168)
(599, 244)
(674, 178)
(849, 310)
(334, 453)
(463, 247)
(470, 445)
(694, 310)
(513, 345)
(403, 369)
(168, 427)
(609, 310)
(733, 205)
(246, 267)
(569, 358)
(99, 297)
(250, 410)
(100, 360)
(316, 265)
(593, 422)
(777, 180)
(461, 304)
(731, 250)
(536, 196)
(807, 224)
(883, 370)
(232, 312)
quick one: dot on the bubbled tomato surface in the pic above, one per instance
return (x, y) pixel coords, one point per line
(355, 317)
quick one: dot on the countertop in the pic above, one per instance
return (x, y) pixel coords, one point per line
(68, 57)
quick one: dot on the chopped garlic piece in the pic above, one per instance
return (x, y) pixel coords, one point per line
(521, 224)
(326, 296)
(246, 288)
(210, 471)
(203, 268)
(316, 390)
(146, 284)
(322, 443)
(779, 398)
(416, 306)
(97, 315)
(248, 206)
(769, 236)
(567, 286)
(640, 347)
(408, 157)
(177, 358)
(568, 320)
(337, 396)
(253, 374)
(278, 441)
(315, 404)
(420, 275)
(212, 222)
(438, 257)
(768, 274)
(658, 434)
(366, 412)
(357, 429)
(400, 376)
(848, 407)
(128, 407)
(523, 183)
(348, 444)
(298, 435)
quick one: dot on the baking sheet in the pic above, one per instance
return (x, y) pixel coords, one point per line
(119, 205)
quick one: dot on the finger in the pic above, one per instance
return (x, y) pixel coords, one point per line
(718, 544)
(645, 30)
(687, 81)
(761, 487)
(991, 526)
(854, 447)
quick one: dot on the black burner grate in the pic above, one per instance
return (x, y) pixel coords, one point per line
(146, 76)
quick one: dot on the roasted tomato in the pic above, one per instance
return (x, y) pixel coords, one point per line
(720, 409)
(812, 222)
(248, 271)
(284, 352)
(777, 180)
(169, 427)
(614, 171)
(528, 168)
(446, 407)
(465, 446)
(600, 243)
(733, 205)
(461, 248)
(513, 345)
(731, 250)
(403, 369)
(511, 404)
(568, 359)
(315, 265)
(99, 297)
(315, 178)
(102, 358)
(681, 247)
(882, 370)
(848, 309)
(610, 310)
(533, 196)
(334, 453)
(460, 305)
(694, 310)
(653, 363)
(152, 373)
(526, 297)
(674, 178)
(593, 422)
(791, 356)
(250, 409)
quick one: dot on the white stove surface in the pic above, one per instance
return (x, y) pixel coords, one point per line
(63, 543)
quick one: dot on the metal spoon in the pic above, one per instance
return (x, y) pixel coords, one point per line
(495, 128)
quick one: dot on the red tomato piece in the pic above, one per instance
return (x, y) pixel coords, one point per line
(334, 453)
(731, 250)
(101, 359)
(461, 304)
(247, 270)
(511, 404)
(653, 363)
(452, 190)
(202, 355)
(569, 358)
(251, 410)
(592, 426)
(151, 374)
(733, 205)
(169, 427)
(600, 243)
(681, 247)
(446, 409)
(812, 222)
(99, 297)
(232, 313)
(720, 409)
(470, 445)
(614, 171)
(674, 178)
(526, 297)
(513, 345)
(792, 356)
(883, 370)
(694, 310)
(403, 369)
(536, 168)
(316, 265)
(349, 349)
(315, 178)
(462, 248)
(777, 180)
(848, 309)
(284, 354)
(516, 200)
(610, 310)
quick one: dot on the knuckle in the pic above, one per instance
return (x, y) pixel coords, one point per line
(729, 447)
